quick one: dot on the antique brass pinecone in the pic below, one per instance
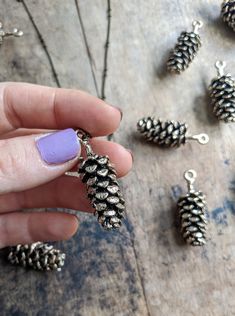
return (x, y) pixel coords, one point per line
(103, 190)
(168, 133)
(185, 50)
(228, 13)
(222, 93)
(38, 256)
(192, 209)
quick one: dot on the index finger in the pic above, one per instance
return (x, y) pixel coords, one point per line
(25, 105)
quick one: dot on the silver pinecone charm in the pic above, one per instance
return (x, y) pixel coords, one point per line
(222, 93)
(228, 13)
(102, 187)
(38, 256)
(167, 133)
(192, 212)
(185, 50)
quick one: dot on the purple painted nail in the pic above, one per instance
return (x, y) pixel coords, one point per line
(59, 147)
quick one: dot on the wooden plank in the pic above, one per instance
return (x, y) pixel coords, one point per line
(178, 280)
(22, 59)
(101, 274)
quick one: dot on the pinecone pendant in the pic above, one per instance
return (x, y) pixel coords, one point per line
(192, 212)
(167, 133)
(38, 256)
(185, 50)
(228, 13)
(222, 93)
(102, 187)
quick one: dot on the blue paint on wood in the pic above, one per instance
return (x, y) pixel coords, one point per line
(230, 206)
(176, 191)
(219, 216)
(207, 214)
(204, 254)
(227, 162)
(232, 185)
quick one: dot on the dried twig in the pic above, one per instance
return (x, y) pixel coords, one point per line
(87, 46)
(54, 73)
(105, 68)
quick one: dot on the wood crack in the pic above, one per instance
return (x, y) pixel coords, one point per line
(53, 70)
(140, 276)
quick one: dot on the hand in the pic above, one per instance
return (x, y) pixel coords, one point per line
(32, 175)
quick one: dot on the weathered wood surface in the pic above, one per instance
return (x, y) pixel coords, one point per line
(145, 269)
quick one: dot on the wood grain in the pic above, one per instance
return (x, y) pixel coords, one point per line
(145, 269)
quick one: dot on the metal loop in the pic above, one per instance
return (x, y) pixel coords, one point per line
(17, 32)
(197, 25)
(82, 134)
(220, 65)
(202, 138)
(190, 176)
(84, 138)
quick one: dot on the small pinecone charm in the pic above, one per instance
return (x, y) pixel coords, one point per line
(167, 133)
(102, 188)
(38, 256)
(228, 13)
(192, 213)
(185, 50)
(222, 93)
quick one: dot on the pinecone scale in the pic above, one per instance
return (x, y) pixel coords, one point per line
(103, 190)
(192, 213)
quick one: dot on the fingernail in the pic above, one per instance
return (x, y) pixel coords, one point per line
(119, 109)
(132, 156)
(59, 147)
(64, 228)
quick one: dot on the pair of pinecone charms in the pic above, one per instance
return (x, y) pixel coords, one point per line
(103, 190)
(222, 88)
(192, 207)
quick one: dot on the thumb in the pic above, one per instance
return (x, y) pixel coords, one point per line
(29, 161)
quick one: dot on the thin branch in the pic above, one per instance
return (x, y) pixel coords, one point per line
(54, 73)
(87, 46)
(105, 68)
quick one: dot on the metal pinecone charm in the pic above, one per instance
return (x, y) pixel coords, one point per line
(185, 50)
(102, 187)
(192, 213)
(222, 93)
(38, 256)
(228, 13)
(167, 133)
